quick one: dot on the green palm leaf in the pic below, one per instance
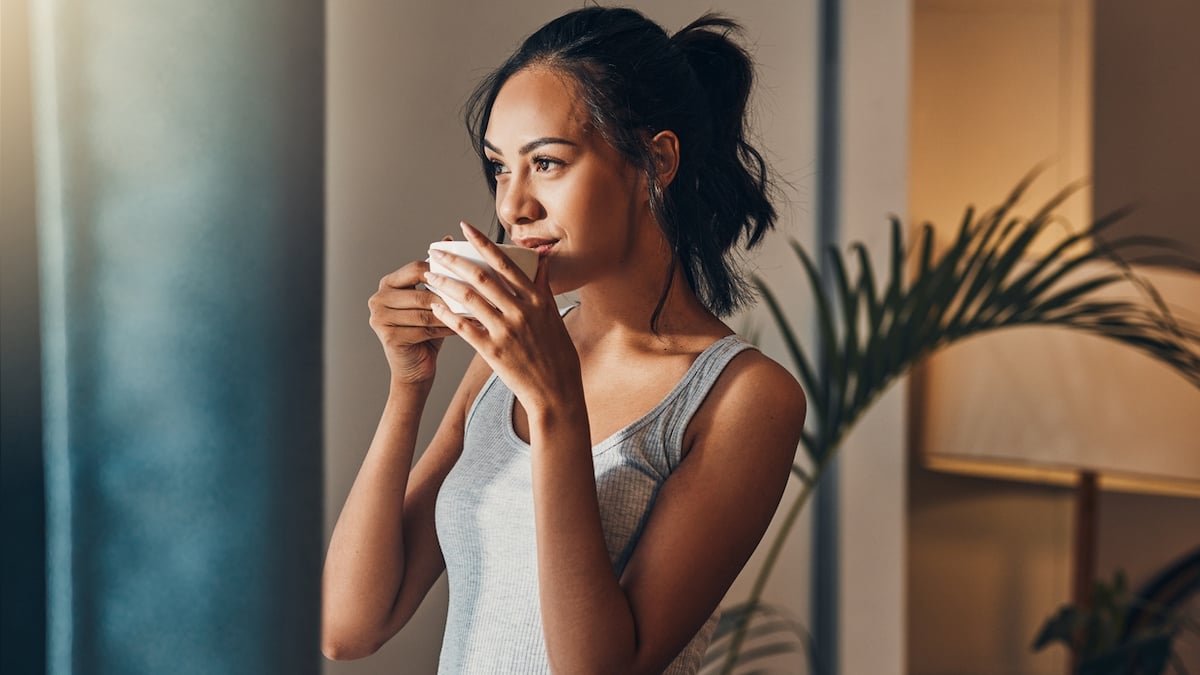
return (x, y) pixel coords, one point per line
(987, 279)
(767, 631)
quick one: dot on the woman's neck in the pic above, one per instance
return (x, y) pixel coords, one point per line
(618, 314)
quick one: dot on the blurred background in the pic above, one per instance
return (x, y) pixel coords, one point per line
(198, 201)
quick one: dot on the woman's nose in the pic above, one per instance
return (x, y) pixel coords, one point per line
(518, 203)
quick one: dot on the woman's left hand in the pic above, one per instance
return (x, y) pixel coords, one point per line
(517, 327)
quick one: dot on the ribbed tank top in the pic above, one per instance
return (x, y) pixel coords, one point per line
(485, 520)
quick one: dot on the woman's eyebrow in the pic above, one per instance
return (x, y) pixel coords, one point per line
(532, 145)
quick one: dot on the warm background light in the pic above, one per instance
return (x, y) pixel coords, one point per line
(1100, 90)
(1045, 403)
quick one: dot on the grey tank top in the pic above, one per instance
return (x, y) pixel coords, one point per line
(486, 528)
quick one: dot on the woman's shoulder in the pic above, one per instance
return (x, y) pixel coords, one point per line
(753, 392)
(754, 376)
(749, 374)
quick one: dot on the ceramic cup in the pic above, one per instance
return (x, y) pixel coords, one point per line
(526, 260)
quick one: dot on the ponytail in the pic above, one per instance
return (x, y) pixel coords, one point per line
(728, 194)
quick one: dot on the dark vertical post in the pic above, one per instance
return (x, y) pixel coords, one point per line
(826, 540)
(180, 152)
(1083, 570)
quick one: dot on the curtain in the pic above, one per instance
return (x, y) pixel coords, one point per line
(179, 151)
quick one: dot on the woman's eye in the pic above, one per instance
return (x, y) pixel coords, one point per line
(545, 163)
(497, 168)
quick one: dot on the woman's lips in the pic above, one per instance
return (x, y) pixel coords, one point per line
(542, 246)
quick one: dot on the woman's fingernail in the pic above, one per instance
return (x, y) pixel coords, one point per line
(467, 229)
(431, 278)
(435, 254)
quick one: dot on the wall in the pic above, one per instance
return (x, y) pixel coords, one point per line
(876, 40)
(1147, 151)
(401, 174)
(999, 87)
(1147, 144)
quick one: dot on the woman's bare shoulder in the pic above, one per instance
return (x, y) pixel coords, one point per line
(753, 392)
(756, 381)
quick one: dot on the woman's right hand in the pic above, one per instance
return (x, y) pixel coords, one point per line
(411, 335)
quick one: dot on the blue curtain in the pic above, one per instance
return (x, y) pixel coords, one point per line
(179, 151)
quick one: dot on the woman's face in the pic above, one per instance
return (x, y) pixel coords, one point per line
(560, 187)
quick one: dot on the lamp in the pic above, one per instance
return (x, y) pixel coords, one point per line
(1059, 406)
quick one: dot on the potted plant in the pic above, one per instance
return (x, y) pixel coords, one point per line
(1124, 633)
(868, 337)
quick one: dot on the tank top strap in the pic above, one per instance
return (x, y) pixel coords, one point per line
(694, 389)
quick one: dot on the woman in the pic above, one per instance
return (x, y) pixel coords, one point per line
(602, 474)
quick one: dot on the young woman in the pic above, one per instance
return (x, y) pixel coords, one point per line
(602, 474)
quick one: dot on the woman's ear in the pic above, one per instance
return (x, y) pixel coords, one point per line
(665, 146)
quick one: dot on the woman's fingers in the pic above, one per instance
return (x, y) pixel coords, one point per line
(478, 295)
(402, 311)
(541, 278)
(402, 318)
(493, 256)
(474, 285)
(405, 277)
(403, 298)
(469, 329)
(424, 322)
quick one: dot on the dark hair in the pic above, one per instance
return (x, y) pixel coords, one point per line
(636, 81)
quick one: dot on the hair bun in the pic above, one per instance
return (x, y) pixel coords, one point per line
(724, 71)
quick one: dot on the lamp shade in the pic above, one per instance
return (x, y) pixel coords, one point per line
(1041, 403)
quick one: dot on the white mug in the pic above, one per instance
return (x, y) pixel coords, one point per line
(526, 259)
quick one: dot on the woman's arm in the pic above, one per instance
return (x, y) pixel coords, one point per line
(383, 555)
(706, 522)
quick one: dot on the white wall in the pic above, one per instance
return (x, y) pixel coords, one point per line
(874, 185)
(400, 174)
